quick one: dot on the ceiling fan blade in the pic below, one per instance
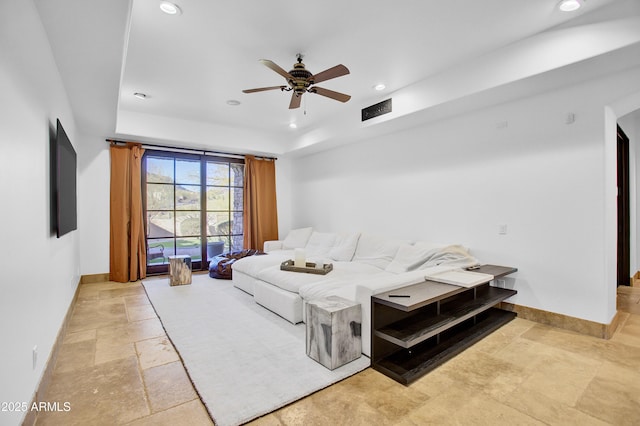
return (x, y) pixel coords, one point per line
(295, 101)
(330, 94)
(262, 89)
(270, 64)
(337, 71)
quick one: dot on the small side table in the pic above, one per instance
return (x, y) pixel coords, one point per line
(179, 270)
(334, 331)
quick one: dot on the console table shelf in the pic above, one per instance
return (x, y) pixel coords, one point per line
(415, 329)
(412, 335)
(408, 365)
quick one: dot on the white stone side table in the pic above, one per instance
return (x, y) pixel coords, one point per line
(334, 331)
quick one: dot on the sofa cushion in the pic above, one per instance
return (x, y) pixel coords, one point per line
(408, 258)
(293, 281)
(254, 264)
(297, 238)
(288, 280)
(344, 247)
(272, 246)
(376, 250)
(286, 304)
(320, 244)
(331, 287)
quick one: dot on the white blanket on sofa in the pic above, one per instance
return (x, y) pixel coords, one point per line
(454, 255)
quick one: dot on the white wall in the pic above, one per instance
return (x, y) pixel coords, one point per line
(456, 181)
(40, 272)
(93, 208)
(283, 194)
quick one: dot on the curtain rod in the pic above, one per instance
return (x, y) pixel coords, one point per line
(187, 150)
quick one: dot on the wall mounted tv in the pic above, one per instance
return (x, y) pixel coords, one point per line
(65, 183)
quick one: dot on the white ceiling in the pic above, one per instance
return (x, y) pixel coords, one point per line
(190, 65)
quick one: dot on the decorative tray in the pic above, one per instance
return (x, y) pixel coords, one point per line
(310, 267)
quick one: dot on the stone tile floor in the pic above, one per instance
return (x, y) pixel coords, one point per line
(116, 366)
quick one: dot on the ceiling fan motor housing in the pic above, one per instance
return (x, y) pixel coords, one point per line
(302, 78)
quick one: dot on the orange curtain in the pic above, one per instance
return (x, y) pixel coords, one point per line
(260, 208)
(127, 248)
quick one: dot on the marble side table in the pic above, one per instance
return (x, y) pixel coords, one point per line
(334, 331)
(179, 270)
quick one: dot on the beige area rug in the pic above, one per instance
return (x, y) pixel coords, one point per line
(244, 360)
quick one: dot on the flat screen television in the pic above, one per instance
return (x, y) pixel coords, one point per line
(65, 185)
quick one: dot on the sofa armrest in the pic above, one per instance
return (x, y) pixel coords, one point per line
(272, 245)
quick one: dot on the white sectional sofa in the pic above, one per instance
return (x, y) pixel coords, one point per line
(363, 265)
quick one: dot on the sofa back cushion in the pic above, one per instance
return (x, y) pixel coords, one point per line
(320, 244)
(297, 238)
(377, 251)
(344, 247)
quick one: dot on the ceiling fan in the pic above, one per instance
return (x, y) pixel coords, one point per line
(300, 80)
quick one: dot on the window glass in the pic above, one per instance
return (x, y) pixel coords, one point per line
(237, 199)
(159, 251)
(159, 170)
(217, 173)
(160, 196)
(217, 222)
(188, 171)
(187, 197)
(187, 224)
(237, 174)
(190, 247)
(160, 224)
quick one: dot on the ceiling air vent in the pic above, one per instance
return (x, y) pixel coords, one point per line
(376, 110)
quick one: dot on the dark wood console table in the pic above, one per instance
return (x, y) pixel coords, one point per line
(411, 336)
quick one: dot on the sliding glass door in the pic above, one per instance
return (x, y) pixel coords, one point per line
(193, 207)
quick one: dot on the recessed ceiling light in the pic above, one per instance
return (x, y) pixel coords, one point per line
(233, 102)
(293, 126)
(379, 87)
(170, 8)
(569, 5)
(140, 95)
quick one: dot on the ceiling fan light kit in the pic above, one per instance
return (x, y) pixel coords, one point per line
(301, 81)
